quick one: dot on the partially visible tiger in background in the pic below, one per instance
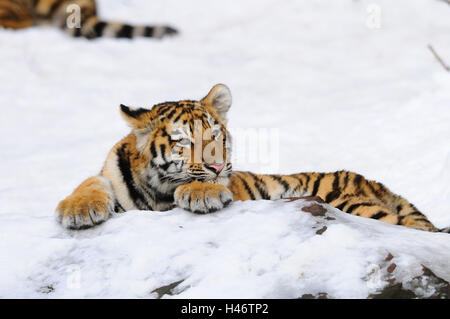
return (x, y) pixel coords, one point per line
(18, 14)
(141, 172)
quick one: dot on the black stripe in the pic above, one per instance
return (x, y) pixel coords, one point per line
(77, 33)
(331, 196)
(169, 116)
(357, 180)
(163, 109)
(336, 180)
(125, 168)
(281, 182)
(99, 28)
(300, 184)
(126, 31)
(133, 113)
(373, 190)
(179, 115)
(335, 193)
(55, 5)
(164, 133)
(342, 205)
(354, 206)
(153, 149)
(247, 187)
(317, 184)
(161, 197)
(300, 181)
(416, 213)
(345, 181)
(308, 177)
(382, 188)
(258, 185)
(379, 215)
(162, 148)
(148, 32)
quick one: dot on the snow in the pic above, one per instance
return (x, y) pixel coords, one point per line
(258, 249)
(333, 91)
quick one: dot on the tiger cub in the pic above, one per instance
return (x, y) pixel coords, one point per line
(76, 17)
(152, 169)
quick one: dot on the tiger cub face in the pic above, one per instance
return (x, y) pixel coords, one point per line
(184, 141)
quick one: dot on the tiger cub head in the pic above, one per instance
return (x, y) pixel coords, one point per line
(185, 140)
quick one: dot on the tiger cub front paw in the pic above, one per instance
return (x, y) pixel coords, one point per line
(89, 205)
(202, 198)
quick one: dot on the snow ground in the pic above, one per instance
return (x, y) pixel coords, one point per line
(341, 95)
(252, 250)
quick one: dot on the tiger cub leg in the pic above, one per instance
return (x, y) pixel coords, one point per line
(90, 204)
(202, 198)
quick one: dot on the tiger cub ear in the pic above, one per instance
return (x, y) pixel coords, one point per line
(137, 118)
(219, 98)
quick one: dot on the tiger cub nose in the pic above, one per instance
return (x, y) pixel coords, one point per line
(217, 168)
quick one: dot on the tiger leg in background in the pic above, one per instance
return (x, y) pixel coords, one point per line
(77, 17)
(61, 12)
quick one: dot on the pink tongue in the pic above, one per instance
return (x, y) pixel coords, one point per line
(218, 168)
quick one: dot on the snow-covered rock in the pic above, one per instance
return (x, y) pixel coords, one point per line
(254, 249)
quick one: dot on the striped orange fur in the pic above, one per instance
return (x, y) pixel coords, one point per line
(347, 191)
(144, 171)
(18, 14)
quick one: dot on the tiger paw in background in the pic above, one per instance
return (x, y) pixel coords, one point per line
(90, 204)
(202, 198)
(77, 17)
